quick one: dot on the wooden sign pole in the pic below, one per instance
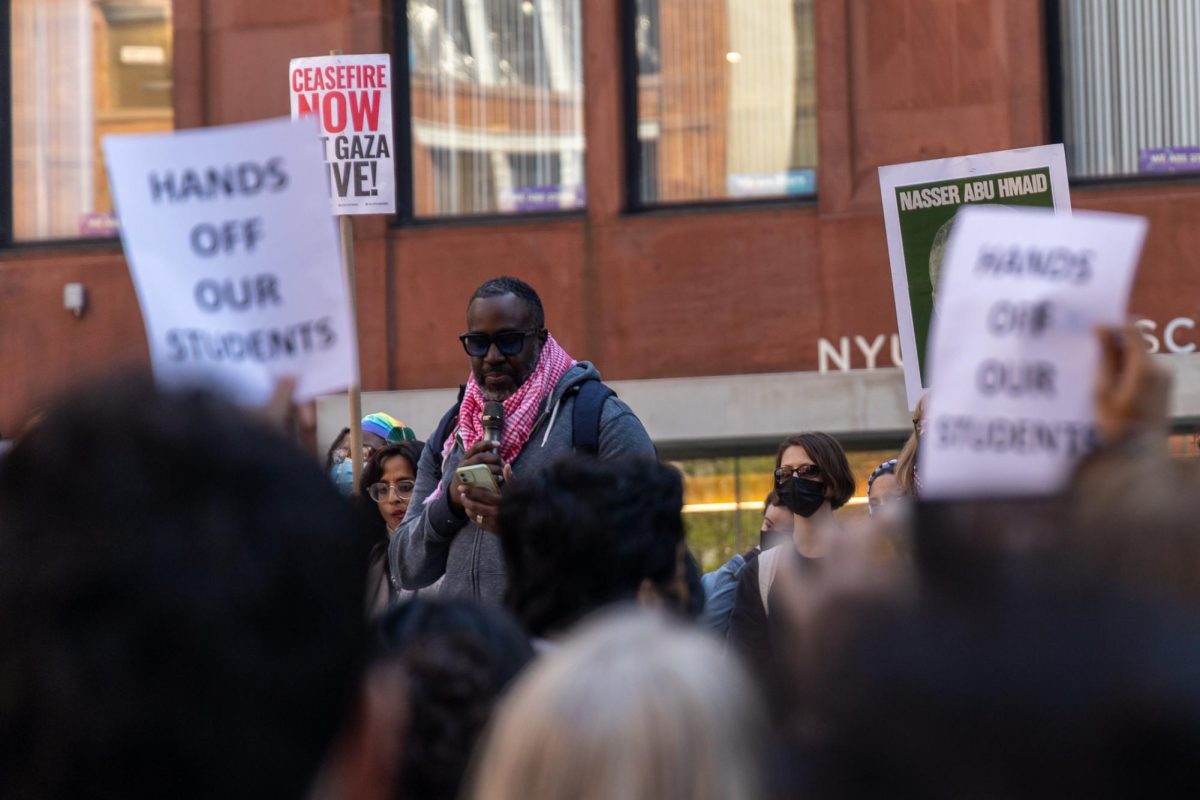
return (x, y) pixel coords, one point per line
(346, 228)
(346, 231)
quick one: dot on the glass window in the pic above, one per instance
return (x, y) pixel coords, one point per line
(81, 69)
(726, 99)
(497, 106)
(1184, 445)
(1131, 87)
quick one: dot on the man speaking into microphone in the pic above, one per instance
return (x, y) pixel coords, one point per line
(526, 403)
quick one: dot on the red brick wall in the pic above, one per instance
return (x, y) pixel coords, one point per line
(669, 293)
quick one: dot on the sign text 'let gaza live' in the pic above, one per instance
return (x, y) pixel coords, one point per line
(351, 98)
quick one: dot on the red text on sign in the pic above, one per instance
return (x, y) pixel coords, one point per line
(331, 109)
(353, 76)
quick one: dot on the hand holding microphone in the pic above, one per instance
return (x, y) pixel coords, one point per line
(493, 421)
(493, 431)
(481, 472)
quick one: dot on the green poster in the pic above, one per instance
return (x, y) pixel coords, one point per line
(920, 201)
(927, 216)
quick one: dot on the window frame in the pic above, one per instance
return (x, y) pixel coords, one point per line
(6, 126)
(633, 147)
(1056, 114)
(8, 240)
(402, 128)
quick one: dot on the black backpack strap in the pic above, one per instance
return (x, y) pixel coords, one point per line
(585, 419)
(437, 440)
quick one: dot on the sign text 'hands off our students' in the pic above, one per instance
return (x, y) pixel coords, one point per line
(1013, 352)
(234, 255)
(351, 97)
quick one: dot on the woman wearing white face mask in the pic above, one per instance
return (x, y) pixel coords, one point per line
(378, 430)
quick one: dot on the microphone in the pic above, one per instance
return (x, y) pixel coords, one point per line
(493, 421)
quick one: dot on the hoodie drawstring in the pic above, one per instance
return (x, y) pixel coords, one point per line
(553, 416)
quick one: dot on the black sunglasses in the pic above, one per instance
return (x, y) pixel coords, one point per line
(509, 343)
(809, 471)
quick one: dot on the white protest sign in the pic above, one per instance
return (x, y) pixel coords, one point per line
(920, 202)
(1014, 354)
(351, 97)
(235, 257)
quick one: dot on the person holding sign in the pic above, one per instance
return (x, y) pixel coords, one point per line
(201, 633)
(526, 403)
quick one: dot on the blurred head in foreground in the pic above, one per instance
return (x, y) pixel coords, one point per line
(1042, 695)
(1134, 522)
(582, 534)
(632, 706)
(458, 657)
(180, 603)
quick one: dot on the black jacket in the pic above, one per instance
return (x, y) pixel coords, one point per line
(758, 633)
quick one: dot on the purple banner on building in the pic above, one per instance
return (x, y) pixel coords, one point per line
(1169, 159)
(551, 197)
(98, 224)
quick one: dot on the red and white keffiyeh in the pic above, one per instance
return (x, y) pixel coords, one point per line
(520, 411)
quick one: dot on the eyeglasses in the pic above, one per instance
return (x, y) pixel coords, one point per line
(382, 491)
(808, 471)
(344, 452)
(509, 343)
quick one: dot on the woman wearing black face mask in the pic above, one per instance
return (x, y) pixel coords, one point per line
(812, 479)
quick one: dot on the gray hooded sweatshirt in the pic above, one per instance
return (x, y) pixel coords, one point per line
(436, 545)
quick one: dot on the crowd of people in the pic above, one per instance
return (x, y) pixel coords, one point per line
(510, 609)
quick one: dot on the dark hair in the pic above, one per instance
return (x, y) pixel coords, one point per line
(372, 473)
(581, 534)
(459, 657)
(337, 441)
(827, 453)
(498, 287)
(199, 631)
(772, 499)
